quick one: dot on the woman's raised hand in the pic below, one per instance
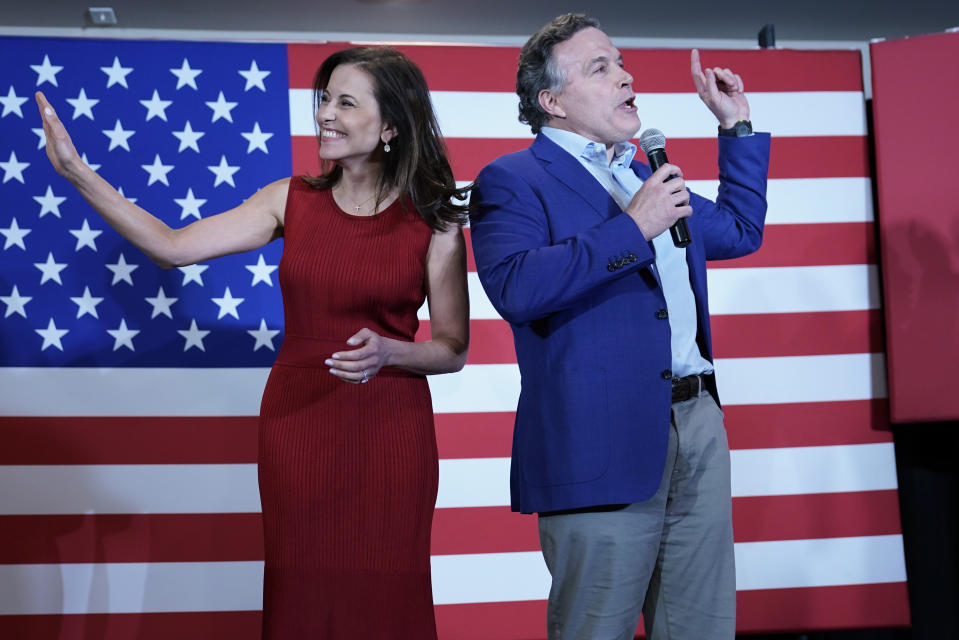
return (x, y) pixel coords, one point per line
(63, 155)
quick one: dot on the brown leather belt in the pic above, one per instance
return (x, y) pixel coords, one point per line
(691, 386)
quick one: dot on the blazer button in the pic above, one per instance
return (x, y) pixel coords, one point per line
(662, 314)
(611, 267)
(632, 257)
(667, 374)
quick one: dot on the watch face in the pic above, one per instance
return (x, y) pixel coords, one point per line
(743, 128)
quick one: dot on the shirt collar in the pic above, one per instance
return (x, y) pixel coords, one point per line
(581, 147)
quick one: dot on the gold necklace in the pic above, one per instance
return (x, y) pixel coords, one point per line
(357, 205)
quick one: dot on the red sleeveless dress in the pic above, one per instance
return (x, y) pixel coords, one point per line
(348, 473)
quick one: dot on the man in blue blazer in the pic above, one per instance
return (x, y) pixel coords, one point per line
(619, 443)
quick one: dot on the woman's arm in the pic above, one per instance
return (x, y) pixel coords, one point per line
(250, 225)
(448, 299)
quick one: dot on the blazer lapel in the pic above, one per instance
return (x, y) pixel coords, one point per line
(567, 169)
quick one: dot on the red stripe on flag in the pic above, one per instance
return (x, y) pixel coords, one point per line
(231, 537)
(474, 435)
(795, 517)
(203, 625)
(486, 620)
(482, 530)
(123, 440)
(772, 610)
(808, 424)
(787, 245)
(488, 68)
(200, 537)
(797, 334)
(734, 336)
(810, 609)
(816, 515)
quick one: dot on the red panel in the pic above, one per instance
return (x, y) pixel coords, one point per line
(914, 105)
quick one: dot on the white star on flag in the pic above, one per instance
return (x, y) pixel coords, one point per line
(85, 236)
(87, 304)
(185, 76)
(224, 172)
(222, 108)
(50, 269)
(123, 336)
(264, 337)
(121, 270)
(118, 136)
(194, 336)
(14, 235)
(193, 273)
(161, 304)
(93, 167)
(13, 168)
(157, 171)
(82, 105)
(11, 103)
(256, 138)
(117, 74)
(46, 72)
(228, 305)
(51, 336)
(49, 203)
(15, 303)
(188, 137)
(120, 191)
(190, 205)
(42, 137)
(156, 108)
(254, 77)
(261, 271)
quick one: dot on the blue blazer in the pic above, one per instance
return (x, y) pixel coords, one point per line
(571, 273)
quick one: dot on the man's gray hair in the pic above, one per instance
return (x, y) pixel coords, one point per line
(538, 70)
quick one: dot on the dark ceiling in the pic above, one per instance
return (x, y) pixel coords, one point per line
(492, 20)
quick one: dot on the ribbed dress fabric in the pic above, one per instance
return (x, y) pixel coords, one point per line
(348, 473)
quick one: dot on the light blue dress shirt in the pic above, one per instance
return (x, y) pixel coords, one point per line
(622, 183)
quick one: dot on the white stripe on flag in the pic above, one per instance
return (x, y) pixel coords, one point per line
(492, 114)
(457, 579)
(128, 488)
(844, 287)
(836, 199)
(464, 482)
(25, 391)
(130, 587)
(805, 470)
(738, 290)
(825, 562)
(788, 379)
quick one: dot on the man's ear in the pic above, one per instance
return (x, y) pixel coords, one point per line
(549, 102)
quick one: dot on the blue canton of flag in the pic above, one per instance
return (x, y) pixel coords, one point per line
(185, 130)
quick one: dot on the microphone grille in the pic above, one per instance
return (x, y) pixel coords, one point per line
(652, 139)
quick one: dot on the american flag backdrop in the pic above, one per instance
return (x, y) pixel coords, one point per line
(129, 394)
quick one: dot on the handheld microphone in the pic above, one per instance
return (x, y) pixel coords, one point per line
(653, 144)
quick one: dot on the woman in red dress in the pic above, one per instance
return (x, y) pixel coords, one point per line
(347, 453)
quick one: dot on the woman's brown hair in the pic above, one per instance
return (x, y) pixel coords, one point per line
(416, 164)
